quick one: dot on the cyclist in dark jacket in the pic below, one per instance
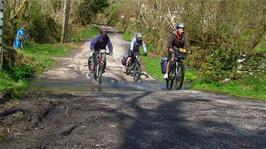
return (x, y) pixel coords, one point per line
(177, 39)
(100, 42)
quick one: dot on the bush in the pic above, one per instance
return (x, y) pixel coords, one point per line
(85, 10)
(219, 65)
(22, 71)
(42, 28)
(213, 26)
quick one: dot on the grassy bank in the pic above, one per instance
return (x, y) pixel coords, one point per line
(32, 60)
(35, 58)
(10, 85)
(250, 86)
(127, 36)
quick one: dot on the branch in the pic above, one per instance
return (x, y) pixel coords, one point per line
(19, 9)
(6, 3)
(141, 13)
(258, 35)
(169, 13)
(170, 24)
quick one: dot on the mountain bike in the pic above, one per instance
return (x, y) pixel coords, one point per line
(177, 70)
(100, 65)
(135, 68)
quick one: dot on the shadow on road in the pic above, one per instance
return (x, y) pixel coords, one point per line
(147, 121)
(168, 127)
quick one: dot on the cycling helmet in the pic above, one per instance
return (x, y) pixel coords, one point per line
(139, 37)
(180, 25)
(103, 30)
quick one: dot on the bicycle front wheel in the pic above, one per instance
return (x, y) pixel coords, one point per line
(179, 76)
(136, 72)
(170, 80)
(99, 73)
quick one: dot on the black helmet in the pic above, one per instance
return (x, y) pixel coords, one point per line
(180, 25)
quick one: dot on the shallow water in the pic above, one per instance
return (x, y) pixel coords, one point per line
(108, 84)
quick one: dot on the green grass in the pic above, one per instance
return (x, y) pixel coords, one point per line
(152, 66)
(127, 36)
(36, 58)
(260, 49)
(234, 88)
(9, 85)
(250, 87)
(82, 33)
(44, 53)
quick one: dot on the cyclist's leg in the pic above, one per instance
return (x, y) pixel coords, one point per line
(169, 62)
(104, 65)
(130, 55)
(136, 55)
(94, 59)
(21, 42)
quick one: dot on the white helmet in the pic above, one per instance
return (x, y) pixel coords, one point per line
(138, 35)
(180, 25)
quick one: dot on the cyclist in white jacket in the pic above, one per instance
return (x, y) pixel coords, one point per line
(134, 47)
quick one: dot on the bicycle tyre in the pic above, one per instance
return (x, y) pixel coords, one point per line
(169, 81)
(99, 73)
(136, 72)
(179, 76)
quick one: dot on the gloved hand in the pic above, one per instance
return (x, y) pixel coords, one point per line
(145, 54)
(110, 53)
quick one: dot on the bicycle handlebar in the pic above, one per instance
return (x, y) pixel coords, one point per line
(104, 51)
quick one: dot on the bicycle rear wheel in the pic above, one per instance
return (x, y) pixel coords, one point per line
(179, 76)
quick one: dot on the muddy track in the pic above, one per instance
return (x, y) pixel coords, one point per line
(68, 110)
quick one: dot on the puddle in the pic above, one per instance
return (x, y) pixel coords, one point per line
(85, 85)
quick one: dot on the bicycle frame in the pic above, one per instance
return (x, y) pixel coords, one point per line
(101, 56)
(135, 67)
(176, 72)
(135, 59)
(101, 59)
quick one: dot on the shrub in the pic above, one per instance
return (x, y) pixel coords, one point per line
(22, 71)
(85, 10)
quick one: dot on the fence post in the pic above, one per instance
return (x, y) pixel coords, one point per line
(1, 32)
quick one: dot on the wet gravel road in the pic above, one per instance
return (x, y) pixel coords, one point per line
(136, 120)
(68, 110)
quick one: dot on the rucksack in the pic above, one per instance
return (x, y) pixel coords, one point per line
(124, 60)
(90, 63)
(164, 64)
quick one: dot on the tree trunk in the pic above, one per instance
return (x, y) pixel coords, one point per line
(258, 35)
(65, 21)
